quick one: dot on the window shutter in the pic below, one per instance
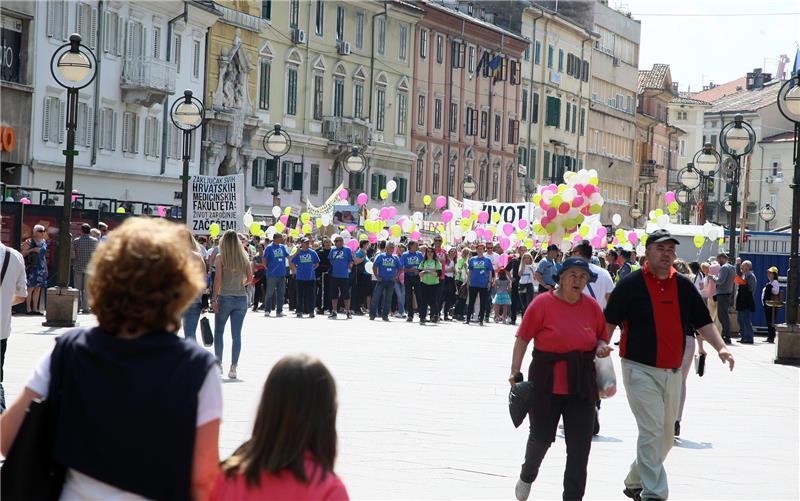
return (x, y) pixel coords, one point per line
(113, 144)
(147, 133)
(126, 131)
(62, 11)
(395, 193)
(51, 18)
(80, 20)
(546, 166)
(89, 126)
(93, 34)
(516, 131)
(101, 143)
(297, 177)
(107, 30)
(404, 189)
(254, 174)
(62, 113)
(46, 120)
(373, 184)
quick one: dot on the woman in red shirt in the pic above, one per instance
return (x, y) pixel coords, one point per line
(293, 447)
(568, 329)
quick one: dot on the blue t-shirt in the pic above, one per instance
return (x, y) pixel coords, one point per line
(362, 255)
(275, 258)
(411, 260)
(387, 264)
(340, 262)
(305, 260)
(480, 269)
(549, 271)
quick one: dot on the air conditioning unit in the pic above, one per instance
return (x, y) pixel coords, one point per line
(651, 162)
(344, 48)
(769, 180)
(615, 61)
(299, 36)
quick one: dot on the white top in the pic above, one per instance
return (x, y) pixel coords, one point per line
(776, 289)
(495, 259)
(602, 286)
(700, 284)
(80, 486)
(526, 272)
(15, 284)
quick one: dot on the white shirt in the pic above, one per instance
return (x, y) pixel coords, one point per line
(495, 259)
(14, 284)
(80, 486)
(602, 286)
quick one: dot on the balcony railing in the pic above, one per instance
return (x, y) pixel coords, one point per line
(647, 172)
(346, 130)
(147, 81)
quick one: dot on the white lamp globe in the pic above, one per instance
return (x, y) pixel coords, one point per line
(74, 66)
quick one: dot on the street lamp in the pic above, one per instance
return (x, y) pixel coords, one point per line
(355, 162)
(73, 66)
(767, 214)
(699, 172)
(277, 143)
(789, 106)
(469, 187)
(187, 114)
(737, 139)
(635, 212)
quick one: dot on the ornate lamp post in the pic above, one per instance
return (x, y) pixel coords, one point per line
(789, 106)
(737, 139)
(635, 212)
(469, 187)
(187, 114)
(73, 66)
(699, 172)
(277, 143)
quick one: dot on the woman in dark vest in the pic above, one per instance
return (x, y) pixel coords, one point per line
(136, 408)
(771, 292)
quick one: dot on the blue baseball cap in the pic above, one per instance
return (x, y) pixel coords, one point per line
(578, 262)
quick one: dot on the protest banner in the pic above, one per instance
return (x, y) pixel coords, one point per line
(509, 212)
(216, 199)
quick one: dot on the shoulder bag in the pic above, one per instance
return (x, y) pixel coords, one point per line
(206, 332)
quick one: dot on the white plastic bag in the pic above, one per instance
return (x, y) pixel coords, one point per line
(606, 379)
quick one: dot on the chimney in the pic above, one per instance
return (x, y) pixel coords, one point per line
(756, 79)
(711, 85)
(675, 87)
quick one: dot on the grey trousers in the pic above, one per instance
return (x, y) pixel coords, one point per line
(654, 396)
(723, 305)
(80, 284)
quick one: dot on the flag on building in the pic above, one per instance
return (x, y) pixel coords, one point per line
(795, 68)
(496, 65)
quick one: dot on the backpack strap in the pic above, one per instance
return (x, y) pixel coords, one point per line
(6, 258)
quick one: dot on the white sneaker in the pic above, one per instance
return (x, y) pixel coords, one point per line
(522, 490)
(232, 372)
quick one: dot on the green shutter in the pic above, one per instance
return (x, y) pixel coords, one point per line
(373, 187)
(297, 177)
(546, 166)
(532, 168)
(395, 193)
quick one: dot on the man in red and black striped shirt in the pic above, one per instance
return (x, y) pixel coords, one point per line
(654, 306)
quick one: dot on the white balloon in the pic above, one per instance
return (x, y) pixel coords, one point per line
(276, 212)
(391, 186)
(616, 219)
(383, 235)
(368, 267)
(458, 231)
(247, 219)
(326, 219)
(406, 225)
(471, 236)
(662, 221)
(270, 232)
(547, 197)
(374, 213)
(570, 193)
(713, 233)
(417, 217)
(651, 214)
(345, 234)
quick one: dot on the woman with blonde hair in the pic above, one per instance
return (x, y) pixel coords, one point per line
(229, 298)
(120, 391)
(192, 315)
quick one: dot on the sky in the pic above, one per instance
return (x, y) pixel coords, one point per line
(719, 41)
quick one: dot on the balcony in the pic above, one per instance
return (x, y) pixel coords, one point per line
(147, 81)
(344, 132)
(647, 174)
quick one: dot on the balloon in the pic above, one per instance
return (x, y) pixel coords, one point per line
(563, 208)
(633, 237)
(368, 266)
(495, 217)
(583, 231)
(279, 227)
(662, 221)
(426, 200)
(616, 219)
(520, 234)
(343, 194)
(362, 199)
(441, 201)
(384, 213)
(162, 211)
(595, 209)
(415, 235)
(284, 219)
(213, 230)
(602, 231)
(392, 212)
(471, 236)
(121, 210)
(406, 225)
(247, 219)
(569, 195)
(578, 201)
(391, 186)
(255, 228)
(713, 233)
(276, 212)
(465, 213)
(596, 241)
(504, 257)
(669, 197)
(466, 223)
(326, 219)
(305, 218)
(25, 201)
(396, 231)
(699, 240)
(483, 217)
(373, 238)
(318, 222)
(447, 216)
(508, 229)
(384, 194)
(659, 213)
(352, 244)
(522, 224)
(673, 207)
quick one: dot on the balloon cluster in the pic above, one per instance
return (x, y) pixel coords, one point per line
(560, 210)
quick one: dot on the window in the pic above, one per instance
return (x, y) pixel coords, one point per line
(402, 51)
(437, 114)
(436, 176)
(439, 49)
(550, 52)
(175, 142)
(291, 91)
(532, 168)
(360, 30)
(585, 72)
(156, 42)
(423, 44)
(151, 137)
(583, 121)
(483, 184)
(402, 112)
(377, 182)
(338, 96)
(355, 182)
(57, 18)
(402, 190)
(497, 128)
(263, 84)
(85, 23)
(456, 54)
(537, 52)
(266, 9)
(566, 121)
(420, 110)
(451, 178)
(574, 117)
(471, 125)
(319, 20)
(419, 176)
(271, 173)
(516, 71)
(258, 174)
(535, 112)
(358, 99)
(513, 131)
(108, 129)
(522, 155)
(524, 105)
(287, 168)
(553, 112)
(471, 59)
(453, 118)
(111, 35)
(381, 35)
(130, 132)
(682, 147)
(495, 183)
(380, 111)
(318, 97)
(340, 13)
(509, 183)
(546, 166)
(297, 177)
(294, 13)
(527, 54)
(176, 53)
(196, 59)
(560, 60)
(484, 123)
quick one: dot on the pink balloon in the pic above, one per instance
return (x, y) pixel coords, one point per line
(74, 197)
(362, 198)
(480, 233)
(441, 201)
(161, 210)
(508, 229)
(343, 194)
(577, 202)
(351, 228)
(447, 216)
(284, 219)
(553, 188)
(504, 244)
(596, 242)
(384, 214)
(542, 204)
(483, 217)
(25, 201)
(392, 212)
(465, 213)
(352, 244)
(523, 223)
(415, 235)
(588, 190)
(563, 208)
(585, 211)
(669, 197)
(373, 238)
(551, 213)
(633, 237)
(579, 188)
(602, 231)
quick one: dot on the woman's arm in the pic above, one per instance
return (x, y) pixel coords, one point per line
(520, 345)
(217, 283)
(11, 420)
(205, 464)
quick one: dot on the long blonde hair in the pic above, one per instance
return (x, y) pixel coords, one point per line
(233, 256)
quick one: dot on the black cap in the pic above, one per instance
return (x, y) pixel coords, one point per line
(578, 262)
(552, 247)
(659, 236)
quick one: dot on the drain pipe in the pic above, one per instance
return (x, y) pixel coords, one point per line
(99, 49)
(530, 96)
(580, 100)
(385, 15)
(165, 105)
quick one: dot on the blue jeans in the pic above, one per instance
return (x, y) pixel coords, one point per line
(382, 295)
(745, 325)
(400, 292)
(190, 319)
(234, 307)
(275, 284)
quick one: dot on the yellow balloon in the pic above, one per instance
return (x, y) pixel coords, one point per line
(287, 211)
(384, 194)
(556, 201)
(594, 181)
(722, 241)
(396, 230)
(583, 231)
(561, 188)
(536, 199)
(362, 236)
(520, 234)
(699, 240)
(426, 200)
(255, 228)
(305, 217)
(120, 210)
(319, 223)
(213, 230)
(643, 239)
(306, 228)
(529, 243)
(294, 233)
(659, 212)
(466, 223)
(495, 217)
(279, 227)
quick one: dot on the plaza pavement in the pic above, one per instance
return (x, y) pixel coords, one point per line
(423, 415)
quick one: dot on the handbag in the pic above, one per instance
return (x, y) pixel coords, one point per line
(206, 332)
(700, 364)
(29, 471)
